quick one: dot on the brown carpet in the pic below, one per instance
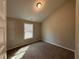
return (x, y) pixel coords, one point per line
(40, 50)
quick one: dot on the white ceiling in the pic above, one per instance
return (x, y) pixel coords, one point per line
(25, 9)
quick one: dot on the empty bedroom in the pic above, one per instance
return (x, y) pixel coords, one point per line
(41, 29)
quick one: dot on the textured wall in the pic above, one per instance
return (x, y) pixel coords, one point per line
(2, 29)
(16, 33)
(59, 28)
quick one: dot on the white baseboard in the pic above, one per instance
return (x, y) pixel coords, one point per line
(59, 46)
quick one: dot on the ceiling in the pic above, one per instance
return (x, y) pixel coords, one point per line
(26, 9)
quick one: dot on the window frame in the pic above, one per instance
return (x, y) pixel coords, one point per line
(29, 31)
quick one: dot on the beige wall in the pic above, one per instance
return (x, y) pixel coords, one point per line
(16, 33)
(59, 28)
(2, 29)
(77, 30)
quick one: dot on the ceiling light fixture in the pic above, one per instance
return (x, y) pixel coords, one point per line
(39, 5)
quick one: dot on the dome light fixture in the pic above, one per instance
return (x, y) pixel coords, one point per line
(39, 5)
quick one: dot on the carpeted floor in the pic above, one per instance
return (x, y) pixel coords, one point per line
(40, 50)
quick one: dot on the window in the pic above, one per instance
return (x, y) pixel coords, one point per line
(28, 31)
